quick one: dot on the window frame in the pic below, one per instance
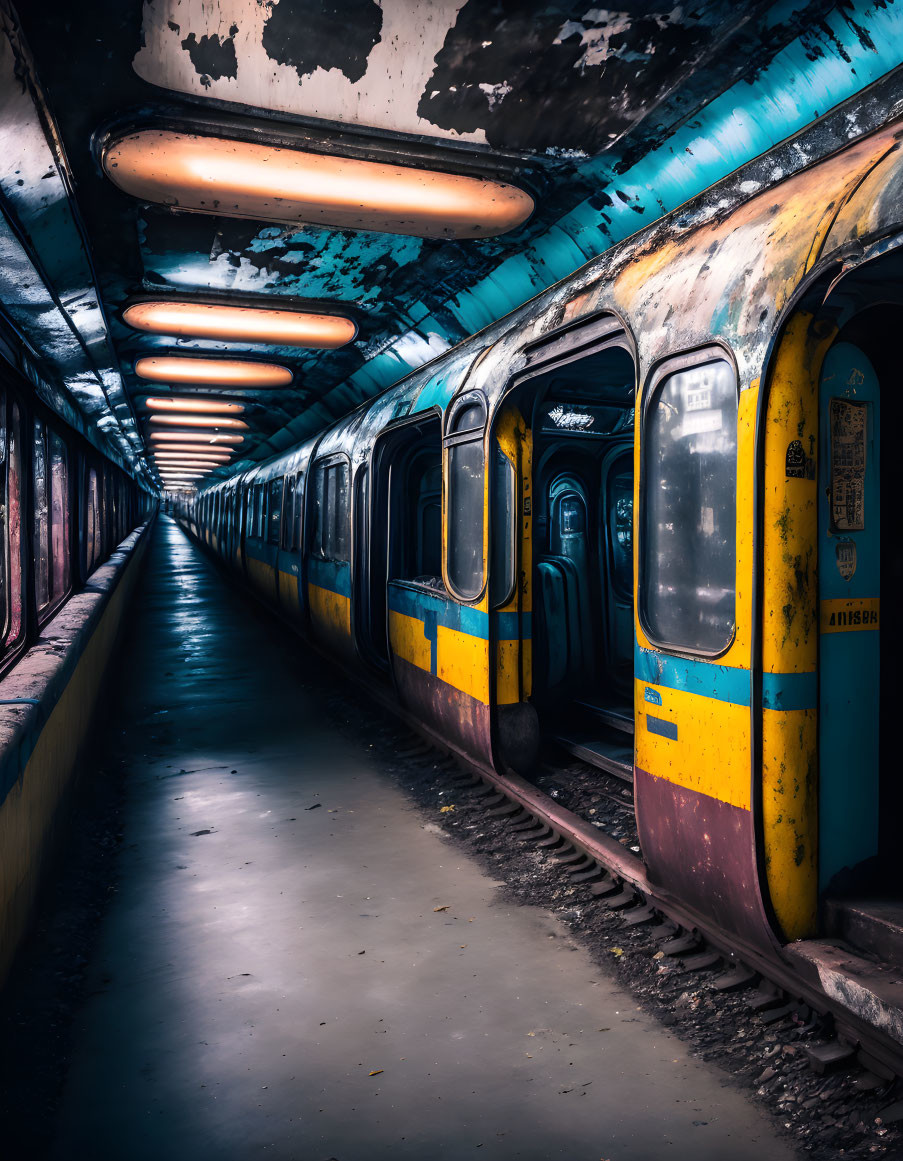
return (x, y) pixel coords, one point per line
(330, 460)
(711, 352)
(452, 439)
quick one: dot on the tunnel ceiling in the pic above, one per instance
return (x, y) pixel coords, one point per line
(607, 118)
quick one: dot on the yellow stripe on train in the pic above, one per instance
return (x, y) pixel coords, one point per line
(329, 610)
(697, 742)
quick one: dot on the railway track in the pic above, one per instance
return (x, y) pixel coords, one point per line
(553, 816)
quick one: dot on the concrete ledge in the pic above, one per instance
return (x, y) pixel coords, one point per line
(50, 696)
(869, 990)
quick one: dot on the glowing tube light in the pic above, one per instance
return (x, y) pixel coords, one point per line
(195, 437)
(199, 320)
(212, 372)
(188, 461)
(174, 466)
(195, 449)
(215, 175)
(200, 457)
(212, 422)
(204, 406)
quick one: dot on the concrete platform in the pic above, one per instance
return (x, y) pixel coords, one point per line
(297, 967)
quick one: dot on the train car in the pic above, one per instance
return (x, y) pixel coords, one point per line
(640, 518)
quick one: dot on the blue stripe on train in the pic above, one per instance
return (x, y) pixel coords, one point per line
(789, 691)
(421, 603)
(703, 677)
(334, 575)
(780, 691)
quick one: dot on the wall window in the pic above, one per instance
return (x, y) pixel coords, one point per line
(466, 471)
(331, 539)
(59, 517)
(13, 579)
(92, 522)
(42, 587)
(690, 522)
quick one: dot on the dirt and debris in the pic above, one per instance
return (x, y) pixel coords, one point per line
(844, 1114)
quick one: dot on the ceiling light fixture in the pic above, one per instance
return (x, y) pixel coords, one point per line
(190, 449)
(246, 324)
(195, 437)
(187, 461)
(244, 179)
(207, 457)
(205, 406)
(212, 372)
(210, 422)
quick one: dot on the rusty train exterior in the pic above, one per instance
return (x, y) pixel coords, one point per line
(643, 518)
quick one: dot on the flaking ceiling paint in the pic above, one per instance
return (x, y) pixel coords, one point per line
(608, 118)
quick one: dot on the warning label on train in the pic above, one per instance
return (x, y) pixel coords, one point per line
(848, 440)
(849, 614)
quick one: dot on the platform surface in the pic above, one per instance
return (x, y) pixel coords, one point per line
(274, 978)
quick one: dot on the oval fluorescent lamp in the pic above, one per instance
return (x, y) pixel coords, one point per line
(204, 406)
(243, 179)
(211, 422)
(212, 372)
(191, 449)
(174, 465)
(195, 437)
(201, 457)
(199, 320)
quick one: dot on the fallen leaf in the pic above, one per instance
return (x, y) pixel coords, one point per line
(445, 908)
(315, 806)
(376, 1072)
(617, 951)
(446, 809)
(463, 945)
(659, 955)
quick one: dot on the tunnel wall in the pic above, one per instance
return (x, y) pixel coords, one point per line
(43, 740)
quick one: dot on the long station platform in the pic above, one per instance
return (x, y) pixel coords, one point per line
(297, 965)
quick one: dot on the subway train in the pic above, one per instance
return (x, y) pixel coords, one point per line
(640, 520)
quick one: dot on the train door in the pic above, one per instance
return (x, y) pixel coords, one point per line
(849, 579)
(399, 534)
(583, 557)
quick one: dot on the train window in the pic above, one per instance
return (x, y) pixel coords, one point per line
(331, 520)
(274, 510)
(466, 471)
(690, 495)
(502, 555)
(291, 513)
(59, 516)
(620, 517)
(41, 517)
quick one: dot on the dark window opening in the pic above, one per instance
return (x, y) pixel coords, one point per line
(466, 481)
(690, 519)
(274, 510)
(330, 523)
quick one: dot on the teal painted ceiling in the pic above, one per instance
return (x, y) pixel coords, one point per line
(608, 118)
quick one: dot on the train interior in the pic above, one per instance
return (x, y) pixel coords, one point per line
(582, 421)
(861, 556)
